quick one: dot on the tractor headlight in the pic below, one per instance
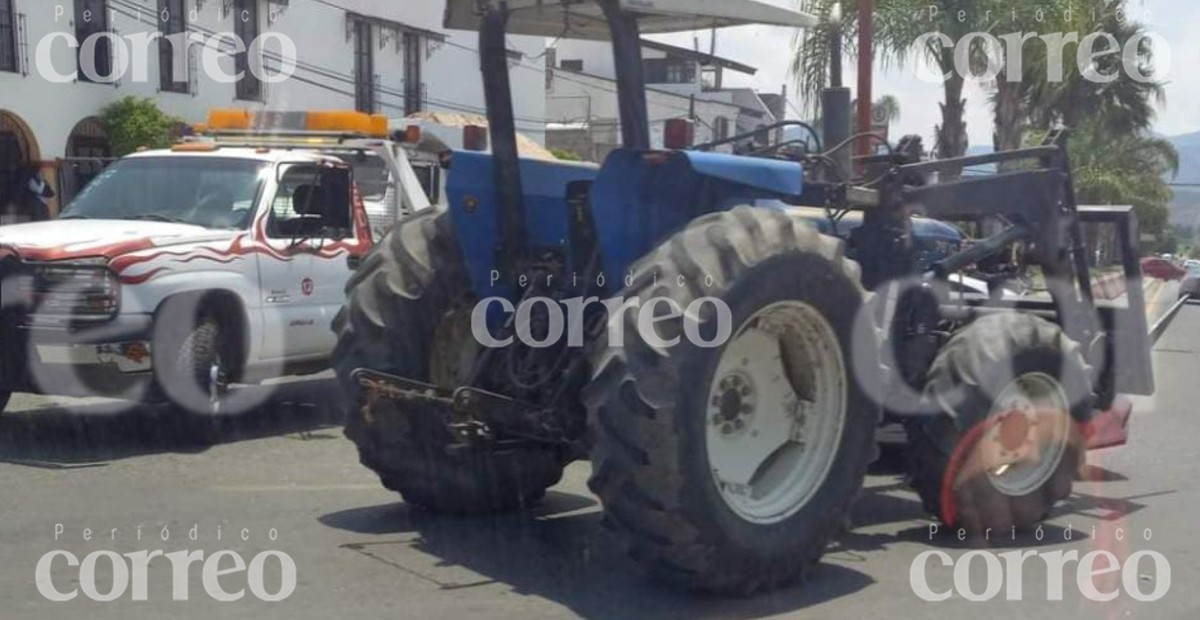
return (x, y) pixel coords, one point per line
(73, 291)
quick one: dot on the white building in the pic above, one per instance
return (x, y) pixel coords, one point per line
(381, 56)
(582, 104)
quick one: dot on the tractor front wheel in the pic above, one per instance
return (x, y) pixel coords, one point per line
(1005, 445)
(729, 460)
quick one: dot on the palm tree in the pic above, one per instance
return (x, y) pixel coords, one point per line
(1124, 169)
(890, 107)
(898, 24)
(1011, 95)
(1126, 104)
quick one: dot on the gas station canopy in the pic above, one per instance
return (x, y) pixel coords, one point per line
(584, 19)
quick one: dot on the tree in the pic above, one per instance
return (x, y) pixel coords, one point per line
(1126, 104)
(888, 104)
(133, 123)
(1011, 94)
(890, 107)
(899, 25)
(1129, 169)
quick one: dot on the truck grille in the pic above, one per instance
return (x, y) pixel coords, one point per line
(66, 292)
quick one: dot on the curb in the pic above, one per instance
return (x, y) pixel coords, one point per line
(1109, 287)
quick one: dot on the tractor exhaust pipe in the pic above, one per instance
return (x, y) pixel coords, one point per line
(835, 101)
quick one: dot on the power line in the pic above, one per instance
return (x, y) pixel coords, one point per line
(331, 74)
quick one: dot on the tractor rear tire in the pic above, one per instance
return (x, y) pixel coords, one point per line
(398, 300)
(651, 410)
(951, 454)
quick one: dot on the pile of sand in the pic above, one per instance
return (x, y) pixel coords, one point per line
(527, 146)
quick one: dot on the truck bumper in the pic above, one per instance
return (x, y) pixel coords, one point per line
(109, 359)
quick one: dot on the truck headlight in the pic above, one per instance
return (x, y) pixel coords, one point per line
(73, 291)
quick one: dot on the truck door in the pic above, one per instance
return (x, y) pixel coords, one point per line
(339, 242)
(292, 329)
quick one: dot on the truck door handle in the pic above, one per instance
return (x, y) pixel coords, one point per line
(354, 262)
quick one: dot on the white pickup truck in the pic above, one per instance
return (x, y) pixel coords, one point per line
(177, 273)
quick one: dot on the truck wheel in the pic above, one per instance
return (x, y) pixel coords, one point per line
(196, 357)
(1005, 446)
(731, 468)
(406, 317)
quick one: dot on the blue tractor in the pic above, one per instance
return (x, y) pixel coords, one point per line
(673, 317)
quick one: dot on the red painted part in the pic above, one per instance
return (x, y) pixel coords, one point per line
(143, 278)
(1105, 430)
(866, 63)
(90, 249)
(1109, 429)
(961, 452)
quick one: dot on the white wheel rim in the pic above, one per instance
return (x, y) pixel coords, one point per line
(775, 412)
(1027, 434)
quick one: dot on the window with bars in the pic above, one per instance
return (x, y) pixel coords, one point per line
(95, 57)
(8, 37)
(246, 27)
(364, 67)
(172, 48)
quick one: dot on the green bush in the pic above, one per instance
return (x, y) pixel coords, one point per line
(565, 155)
(133, 123)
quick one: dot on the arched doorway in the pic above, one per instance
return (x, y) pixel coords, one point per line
(18, 148)
(89, 152)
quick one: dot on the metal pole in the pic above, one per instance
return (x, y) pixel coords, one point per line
(835, 101)
(866, 62)
(631, 79)
(497, 90)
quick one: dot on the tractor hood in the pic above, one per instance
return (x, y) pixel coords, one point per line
(89, 239)
(584, 19)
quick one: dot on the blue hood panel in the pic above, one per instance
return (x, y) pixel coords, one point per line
(772, 175)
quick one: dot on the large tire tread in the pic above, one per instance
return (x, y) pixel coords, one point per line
(962, 367)
(396, 300)
(638, 451)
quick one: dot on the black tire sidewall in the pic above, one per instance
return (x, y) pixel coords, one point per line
(793, 276)
(977, 400)
(410, 457)
(179, 332)
(969, 405)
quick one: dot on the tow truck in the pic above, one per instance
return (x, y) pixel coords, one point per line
(221, 260)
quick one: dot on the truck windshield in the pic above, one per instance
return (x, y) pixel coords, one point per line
(217, 193)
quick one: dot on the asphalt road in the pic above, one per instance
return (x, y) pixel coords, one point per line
(360, 553)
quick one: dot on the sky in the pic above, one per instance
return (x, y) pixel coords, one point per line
(770, 49)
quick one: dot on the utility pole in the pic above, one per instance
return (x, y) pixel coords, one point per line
(866, 63)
